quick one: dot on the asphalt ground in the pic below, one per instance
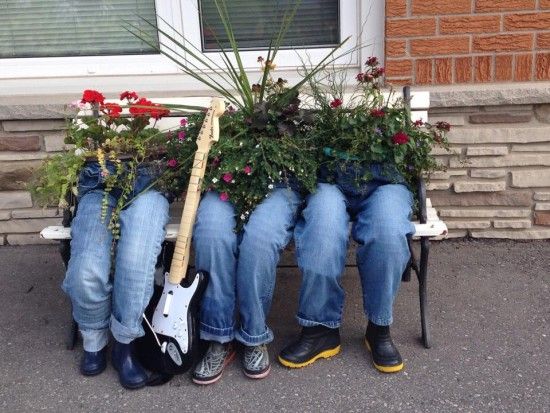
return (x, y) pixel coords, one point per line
(489, 310)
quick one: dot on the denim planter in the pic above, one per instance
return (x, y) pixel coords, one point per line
(99, 301)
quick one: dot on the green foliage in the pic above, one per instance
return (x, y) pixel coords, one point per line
(372, 129)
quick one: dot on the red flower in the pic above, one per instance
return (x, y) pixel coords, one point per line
(377, 113)
(216, 161)
(372, 61)
(418, 122)
(172, 163)
(360, 77)
(128, 95)
(224, 196)
(227, 177)
(444, 126)
(112, 110)
(144, 107)
(400, 138)
(336, 103)
(93, 97)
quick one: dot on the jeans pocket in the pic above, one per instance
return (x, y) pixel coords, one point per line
(89, 178)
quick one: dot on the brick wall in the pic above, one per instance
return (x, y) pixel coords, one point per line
(467, 41)
(24, 143)
(497, 184)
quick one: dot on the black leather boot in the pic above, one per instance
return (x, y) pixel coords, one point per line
(130, 372)
(385, 356)
(93, 362)
(314, 343)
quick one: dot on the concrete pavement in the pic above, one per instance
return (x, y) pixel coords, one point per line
(490, 313)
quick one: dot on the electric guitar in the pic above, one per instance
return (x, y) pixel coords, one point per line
(170, 344)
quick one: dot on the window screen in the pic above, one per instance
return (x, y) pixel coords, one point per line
(256, 22)
(41, 28)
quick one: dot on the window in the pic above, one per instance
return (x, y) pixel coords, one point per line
(67, 58)
(50, 28)
(255, 23)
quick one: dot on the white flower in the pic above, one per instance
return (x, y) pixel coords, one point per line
(257, 146)
(232, 181)
(240, 144)
(214, 180)
(270, 186)
(243, 217)
(79, 151)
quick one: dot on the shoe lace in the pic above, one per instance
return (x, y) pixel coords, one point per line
(213, 360)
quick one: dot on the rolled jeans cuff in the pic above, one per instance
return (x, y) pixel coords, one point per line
(94, 340)
(220, 335)
(381, 321)
(249, 340)
(123, 334)
(308, 323)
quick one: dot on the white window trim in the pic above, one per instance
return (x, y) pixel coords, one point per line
(66, 75)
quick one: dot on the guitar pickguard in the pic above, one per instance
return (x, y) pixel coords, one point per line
(171, 314)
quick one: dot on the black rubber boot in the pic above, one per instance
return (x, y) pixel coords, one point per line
(385, 356)
(314, 343)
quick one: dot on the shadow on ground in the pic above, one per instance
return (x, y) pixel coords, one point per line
(490, 314)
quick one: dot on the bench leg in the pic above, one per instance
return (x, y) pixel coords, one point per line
(72, 333)
(423, 291)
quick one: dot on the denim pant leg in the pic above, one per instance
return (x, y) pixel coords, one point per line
(142, 231)
(87, 280)
(215, 243)
(321, 237)
(264, 237)
(381, 229)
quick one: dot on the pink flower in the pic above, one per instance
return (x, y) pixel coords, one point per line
(336, 103)
(227, 177)
(360, 77)
(224, 196)
(172, 163)
(247, 169)
(400, 138)
(216, 161)
(181, 135)
(183, 122)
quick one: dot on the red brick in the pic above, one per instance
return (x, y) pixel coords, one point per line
(398, 68)
(524, 67)
(469, 24)
(441, 7)
(440, 45)
(503, 5)
(423, 71)
(545, 4)
(543, 40)
(503, 68)
(503, 43)
(542, 66)
(483, 68)
(463, 69)
(396, 48)
(526, 21)
(400, 82)
(396, 8)
(443, 71)
(410, 27)
(542, 218)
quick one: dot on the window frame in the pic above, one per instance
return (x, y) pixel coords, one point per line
(157, 73)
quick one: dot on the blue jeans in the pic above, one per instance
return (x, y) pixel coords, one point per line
(381, 223)
(99, 302)
(242, 265)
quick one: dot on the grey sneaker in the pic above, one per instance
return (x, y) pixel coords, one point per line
(210, 368)
(256, 361)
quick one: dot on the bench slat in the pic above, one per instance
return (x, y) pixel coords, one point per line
(433, 228)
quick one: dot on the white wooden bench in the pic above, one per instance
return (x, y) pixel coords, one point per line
(427, 225)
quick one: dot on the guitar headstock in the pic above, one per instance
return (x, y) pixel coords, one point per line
(210, 130)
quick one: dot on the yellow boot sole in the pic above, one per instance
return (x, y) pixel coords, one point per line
(385, 369)
(325, 355)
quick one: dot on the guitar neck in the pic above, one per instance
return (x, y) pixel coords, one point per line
(180, 259)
